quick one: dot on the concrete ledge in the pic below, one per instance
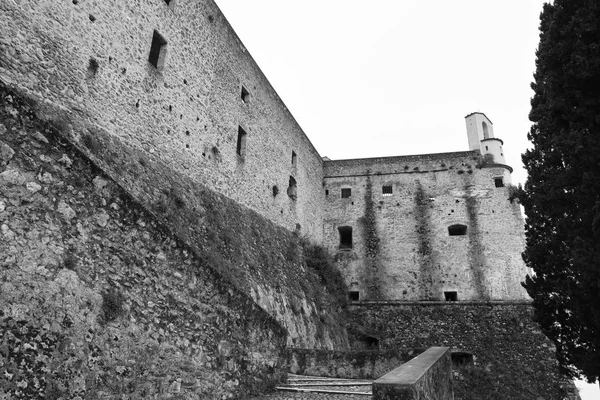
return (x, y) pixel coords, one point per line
(481, 303)
(425, 377)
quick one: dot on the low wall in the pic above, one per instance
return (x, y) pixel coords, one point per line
(347, 364)
(512, 358)
(427, 376)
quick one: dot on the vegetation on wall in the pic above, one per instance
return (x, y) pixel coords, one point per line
(372, 262)
(562, 194)
(321, 263)
(426, 262)
(476, 253)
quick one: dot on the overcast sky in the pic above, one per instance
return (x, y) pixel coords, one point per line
(390, 77)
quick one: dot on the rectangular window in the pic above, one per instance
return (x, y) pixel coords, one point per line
(158, 51)
(326, 192)
(499, 182)
(451, 296)
(294, 158)
(354, 295)
(387, 190)
(346, 193)
(241, 142)
(345, 237)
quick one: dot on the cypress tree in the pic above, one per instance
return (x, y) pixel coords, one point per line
(562, 193)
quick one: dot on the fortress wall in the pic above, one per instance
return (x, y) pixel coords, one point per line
(188, 114)
(498, 350)
(99, 300)
(191, 264)
(402, 249)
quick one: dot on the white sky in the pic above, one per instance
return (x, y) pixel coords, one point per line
(390, 77)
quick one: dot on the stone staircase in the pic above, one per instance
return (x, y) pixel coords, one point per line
(315, 387)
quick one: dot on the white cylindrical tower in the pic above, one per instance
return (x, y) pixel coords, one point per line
(480, 132)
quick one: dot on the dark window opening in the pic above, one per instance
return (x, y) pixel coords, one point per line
(499, 182)
(241, 142)
(457, 230)
(451, 296)
(345, 237)
(158, 51)
(326, 192)
(353, 295)
(292, 190)
(168, 2)
(245, 95)
(294, 158)
(346, 193)
(387, 190)
(461, 358)
(366, 343)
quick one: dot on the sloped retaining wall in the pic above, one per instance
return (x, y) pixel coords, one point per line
(100, 300)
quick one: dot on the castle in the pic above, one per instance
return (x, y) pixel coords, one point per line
(163, 98)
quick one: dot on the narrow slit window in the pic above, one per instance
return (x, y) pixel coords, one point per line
(292, 191)
(499, 182)
(457, 230)
(294, 158)
(245, 95)
(241, 142)
(387, 190)
(451, 296)
(158, 51)
(345, 237)
(326, 192)
(346, 193)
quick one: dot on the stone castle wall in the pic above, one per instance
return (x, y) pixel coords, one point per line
(100, 300)
(91, 57)
(499, 351)
(401, 247)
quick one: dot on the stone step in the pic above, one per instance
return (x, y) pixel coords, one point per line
(321, 388)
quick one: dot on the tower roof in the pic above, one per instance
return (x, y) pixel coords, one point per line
(477, 112)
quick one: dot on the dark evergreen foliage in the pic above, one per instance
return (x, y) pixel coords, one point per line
(562, 194)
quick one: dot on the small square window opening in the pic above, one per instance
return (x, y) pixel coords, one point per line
(346, 193)
(354, 295)
(387, 190)
(451, 296)
(499, 182)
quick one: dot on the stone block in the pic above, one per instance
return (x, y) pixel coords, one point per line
(426, 377)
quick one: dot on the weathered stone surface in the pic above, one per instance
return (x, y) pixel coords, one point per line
(402, 249)
(510, 356)
(6, 153)
(98, 300)
(189, 113)
(358, 364)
